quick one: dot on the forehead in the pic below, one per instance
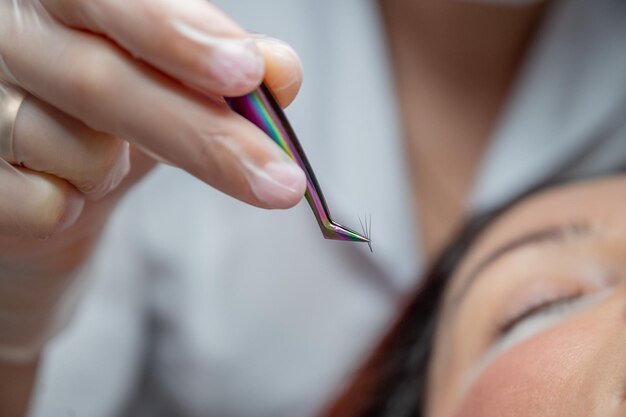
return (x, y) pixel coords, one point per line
(588, 201)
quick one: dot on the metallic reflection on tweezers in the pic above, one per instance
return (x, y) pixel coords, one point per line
(261, 108)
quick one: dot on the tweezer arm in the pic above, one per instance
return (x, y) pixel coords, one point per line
(261, 108)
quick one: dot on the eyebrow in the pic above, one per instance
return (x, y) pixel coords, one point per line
(554, 233)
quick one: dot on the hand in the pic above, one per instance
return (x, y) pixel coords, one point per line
(153, 73)
(93, 71)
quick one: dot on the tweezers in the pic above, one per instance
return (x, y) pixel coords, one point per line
(261, 108)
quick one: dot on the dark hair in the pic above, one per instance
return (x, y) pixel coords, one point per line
(393, 381)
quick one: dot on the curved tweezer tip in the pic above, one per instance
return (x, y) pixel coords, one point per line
(337, 231)
(349, 234)
(261, 108)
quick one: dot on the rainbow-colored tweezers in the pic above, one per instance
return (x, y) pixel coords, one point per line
(261, 108)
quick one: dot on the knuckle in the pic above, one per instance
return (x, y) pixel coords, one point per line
(163, 24)
(220, 156)
(109, 165)
(55, 208)
(109, 153)
(68, 11)
(216, 142)
(174, 41)
(60, 5)
(92, 76)
(153, 11)
(63, 5)
(209, 152)
(189, 54)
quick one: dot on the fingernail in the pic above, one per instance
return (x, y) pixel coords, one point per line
(236, 63)
(279, 47)
(279, 184)
(284, 79)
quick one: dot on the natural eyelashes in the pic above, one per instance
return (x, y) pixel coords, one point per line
(558, 303)
(550, 305)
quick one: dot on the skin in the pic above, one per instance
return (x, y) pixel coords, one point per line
(566, 362)
(489, 42)
(16, 381)
(452, 61)
(126, 64)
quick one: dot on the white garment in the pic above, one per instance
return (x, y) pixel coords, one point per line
(202, 306)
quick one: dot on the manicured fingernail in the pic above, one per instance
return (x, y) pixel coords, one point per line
(279, 184)
(236, 62)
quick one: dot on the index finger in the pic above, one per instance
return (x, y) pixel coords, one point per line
(192, 40)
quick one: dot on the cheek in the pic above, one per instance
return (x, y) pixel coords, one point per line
(537, 378)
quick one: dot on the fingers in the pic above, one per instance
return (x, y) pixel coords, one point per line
(283, 69)
(192, 41)
(96, 82)
(62, 162)
(36, 204)
(46, 140)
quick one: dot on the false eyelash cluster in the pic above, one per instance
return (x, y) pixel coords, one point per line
(366, 228)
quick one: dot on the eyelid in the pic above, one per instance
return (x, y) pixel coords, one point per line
(537, 307)
(541, 294)
(543, 319)
(530, 327)
(558, 232)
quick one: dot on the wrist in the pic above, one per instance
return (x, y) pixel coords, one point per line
(30, 317)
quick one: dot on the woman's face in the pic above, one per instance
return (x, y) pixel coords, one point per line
(534, 320)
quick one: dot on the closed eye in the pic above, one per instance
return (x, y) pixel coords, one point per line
(542, 316)
(558, 305)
